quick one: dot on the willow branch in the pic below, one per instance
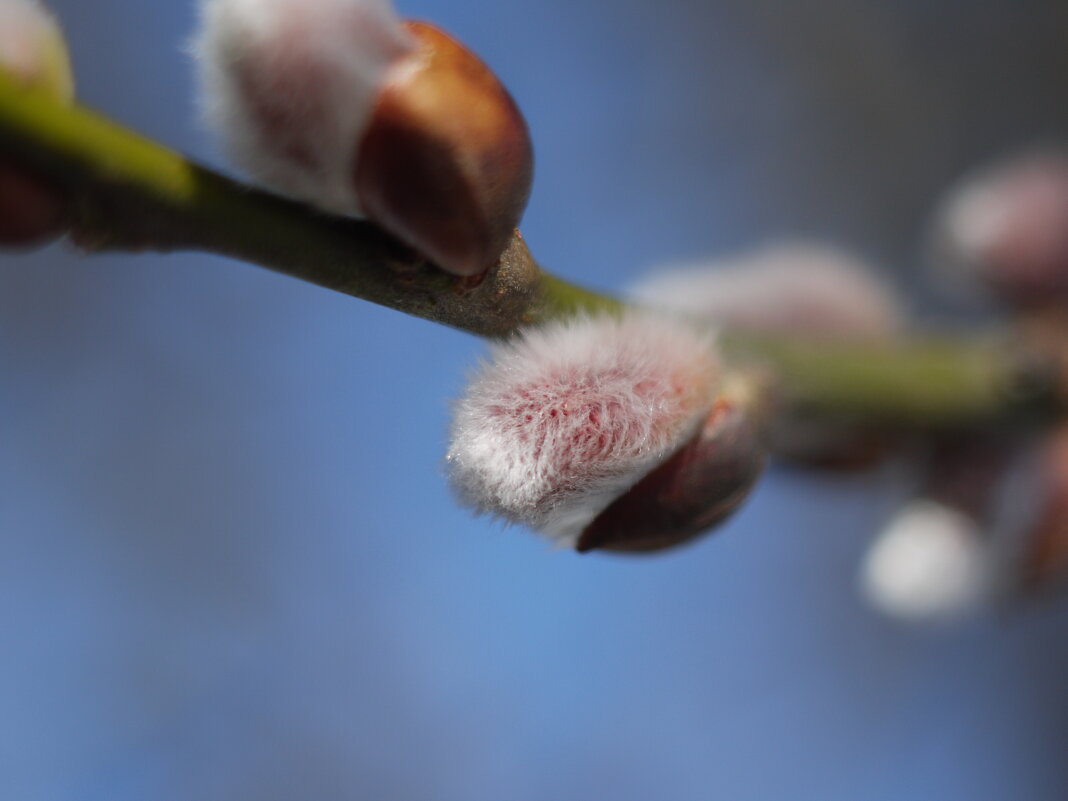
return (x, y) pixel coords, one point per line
(129, 193)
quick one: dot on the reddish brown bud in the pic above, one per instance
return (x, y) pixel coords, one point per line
(701, 485)
(446, 162)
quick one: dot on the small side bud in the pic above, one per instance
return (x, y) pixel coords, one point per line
(344, 105)
(566, 418)
(800, 289)
(32, 49)
(1005, 229)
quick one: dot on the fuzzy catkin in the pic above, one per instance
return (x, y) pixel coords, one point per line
(565, 418)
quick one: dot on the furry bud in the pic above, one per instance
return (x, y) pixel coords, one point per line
(32, 49)
(341, 104)
(1006, 229)
(567, 417)
(803, 289)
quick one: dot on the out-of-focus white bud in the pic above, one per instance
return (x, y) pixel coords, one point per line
(567, 417)
(344, 105)
(929, 563)
(800, 288)
(936, 558)
(1006, 229)
(33, 50)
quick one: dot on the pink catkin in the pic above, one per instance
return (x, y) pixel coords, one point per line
(567, 417)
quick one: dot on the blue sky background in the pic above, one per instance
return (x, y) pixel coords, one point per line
(229, 564)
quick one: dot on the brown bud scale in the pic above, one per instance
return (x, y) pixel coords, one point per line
(446, 163)
(700, 486)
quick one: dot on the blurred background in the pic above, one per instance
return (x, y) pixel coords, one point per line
(230, 567)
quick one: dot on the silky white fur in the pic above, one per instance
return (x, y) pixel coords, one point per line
(290, 85)
(566, 417)
(798, 288)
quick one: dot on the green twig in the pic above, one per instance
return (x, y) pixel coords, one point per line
(129, 193)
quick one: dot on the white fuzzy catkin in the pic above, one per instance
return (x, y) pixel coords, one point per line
(566, 417)
(798, 288)
(290, 86)
(929, 563)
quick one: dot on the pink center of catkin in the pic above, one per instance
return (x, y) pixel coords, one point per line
(574, 422)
